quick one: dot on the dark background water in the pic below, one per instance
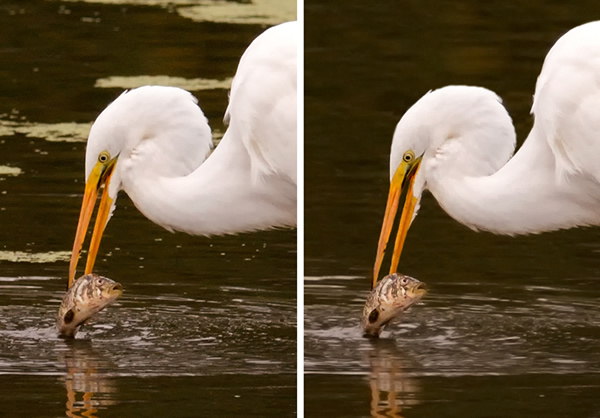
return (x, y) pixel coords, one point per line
(206, 327)
(511, 326)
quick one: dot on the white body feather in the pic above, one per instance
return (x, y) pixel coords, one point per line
(467, 139)
(163, 142)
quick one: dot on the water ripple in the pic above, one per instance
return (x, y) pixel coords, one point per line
(162, 335)
(463, 331)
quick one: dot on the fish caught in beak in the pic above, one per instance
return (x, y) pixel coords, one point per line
(403, 179)
(89, 295)
(393, 295)
(100, 176)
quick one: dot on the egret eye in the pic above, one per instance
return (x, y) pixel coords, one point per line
(103, 157)
(408, 156)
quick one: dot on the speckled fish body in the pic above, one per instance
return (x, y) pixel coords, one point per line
(87, 296)
(392, 295)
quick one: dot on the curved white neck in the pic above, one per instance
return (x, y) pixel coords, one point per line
(219, 197)
(525, 196)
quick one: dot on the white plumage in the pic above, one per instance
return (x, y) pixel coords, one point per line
(154, 143)
(462, 140)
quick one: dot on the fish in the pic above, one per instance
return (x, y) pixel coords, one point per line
(85, 298)
(393, 295)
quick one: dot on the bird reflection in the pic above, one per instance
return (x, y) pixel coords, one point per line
(88, 388)
(392, 390)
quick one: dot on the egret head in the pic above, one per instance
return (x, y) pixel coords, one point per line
(143, 129)
(454, 127)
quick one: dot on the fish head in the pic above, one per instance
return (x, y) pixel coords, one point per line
(87, 296)
(106, 288)
(393, 294)
(411, 290)
(93, 292)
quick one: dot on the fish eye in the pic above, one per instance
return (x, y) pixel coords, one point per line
(373, 316)
(100, 281)
(104, 157)
(408, 156)
(404, 280)
(68, 318)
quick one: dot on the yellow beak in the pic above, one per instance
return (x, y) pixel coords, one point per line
(100, 176)
(403, 177)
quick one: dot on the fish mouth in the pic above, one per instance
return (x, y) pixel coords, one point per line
(419, 290)
(116, 290)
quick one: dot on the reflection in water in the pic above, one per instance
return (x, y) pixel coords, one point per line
(86, 376)
(159, 334)
(391, 389)
(481, 333)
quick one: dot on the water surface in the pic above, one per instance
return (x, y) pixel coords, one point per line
(206, 327)
(511, 326)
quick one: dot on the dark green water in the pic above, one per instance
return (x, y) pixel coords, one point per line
(206, 327)
(511, 326)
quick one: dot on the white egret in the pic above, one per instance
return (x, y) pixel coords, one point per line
(153, 143)
(457, 142)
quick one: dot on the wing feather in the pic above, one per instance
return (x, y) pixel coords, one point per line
(263, 102)
(567, 102)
